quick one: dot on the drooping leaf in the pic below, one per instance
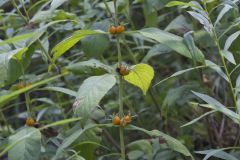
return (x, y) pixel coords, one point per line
(230, 40)
(216, 68)
(6, 98)
(6, 66)
(27, 149)
(73, 137)
(196, 53)
(178, 24)
(156, 50)
(63, 90)
(198, 118)
(141, 76)
(179, 3)
(203, 20)
(92, 66)
(225, 9)
(95, 45)
(179, 73)
(66, 44)
(172, 41)
(143, 147)
(18, 38)
(22, 138)
(229, 56)
(91, 92)
(216, 105)
(218, 153)
(56, 3)
(172, 143)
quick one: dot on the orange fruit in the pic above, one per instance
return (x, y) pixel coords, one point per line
(123, 70)
(120, 29)
(116, 120)
(30, 122)
(128, 119)
(112, 29)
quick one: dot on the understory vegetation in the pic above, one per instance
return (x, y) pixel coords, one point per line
(119, 80)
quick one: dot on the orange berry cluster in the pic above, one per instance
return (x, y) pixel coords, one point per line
(116, 30)
(123, 70)
(122, 122)
(30, 122)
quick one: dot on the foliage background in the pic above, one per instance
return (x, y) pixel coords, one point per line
(29, 30)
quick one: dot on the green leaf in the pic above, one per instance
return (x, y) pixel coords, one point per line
(198, 118)
(196, 53)
(179, 3)
(143, 147)
(60, 89)
(179, 73)
(203, 20)
(218, 153)
(217, 69)
(95, 45)
(6, 65)
(141, 76)
(92, 66)
(216, 105)
(172, 143)
(225, 9)
(73, 137)
(29, 148)
(6, 98)
(61, 122)
(156, 50)
(229, 56)
(56, 3)
(66, 44)
(18, 38)
(91, 92)
(170, 40)
(230, 40)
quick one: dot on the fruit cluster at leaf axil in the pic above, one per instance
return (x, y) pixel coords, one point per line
(117, 120)
(123, 70)
(116, 29)
(30, 122)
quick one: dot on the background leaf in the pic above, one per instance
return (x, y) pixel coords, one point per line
(27, 149)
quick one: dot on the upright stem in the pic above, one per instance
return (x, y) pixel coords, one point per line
(216, 39)
(120, 98)
(28, 103)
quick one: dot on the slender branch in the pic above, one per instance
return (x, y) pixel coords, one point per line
(19, 12)
(216, 39)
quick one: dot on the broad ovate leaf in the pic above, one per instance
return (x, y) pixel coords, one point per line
(91, 92)
(28, 144)
(141, 76)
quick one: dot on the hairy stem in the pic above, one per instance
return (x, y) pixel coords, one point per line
(120, 98)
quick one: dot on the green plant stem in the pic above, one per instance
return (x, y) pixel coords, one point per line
(107, 7)
(19, 12)
(24, 8)
(120, 98)
(28, 103)
(216, 39)
(6, 123)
